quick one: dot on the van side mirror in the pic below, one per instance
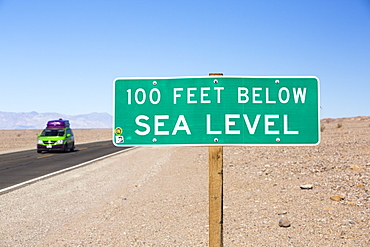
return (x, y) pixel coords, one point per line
(68, 135)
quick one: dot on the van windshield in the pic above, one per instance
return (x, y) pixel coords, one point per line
(52, 132)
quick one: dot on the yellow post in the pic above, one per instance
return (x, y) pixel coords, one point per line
(215, 162)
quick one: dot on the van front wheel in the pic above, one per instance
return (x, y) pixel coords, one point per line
(65, 148)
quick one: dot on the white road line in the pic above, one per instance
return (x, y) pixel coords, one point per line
(13, 187)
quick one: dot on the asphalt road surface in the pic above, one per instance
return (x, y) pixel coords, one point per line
(23, 166)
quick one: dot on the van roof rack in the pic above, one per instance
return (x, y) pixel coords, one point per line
(57, 124)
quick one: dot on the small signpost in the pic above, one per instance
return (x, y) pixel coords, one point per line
(216, 111)
(215, 192)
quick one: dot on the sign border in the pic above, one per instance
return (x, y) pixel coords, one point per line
(216, 144)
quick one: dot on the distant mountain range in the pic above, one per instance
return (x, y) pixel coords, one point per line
(34, 120)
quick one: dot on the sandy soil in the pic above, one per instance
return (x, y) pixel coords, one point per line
(158, 196)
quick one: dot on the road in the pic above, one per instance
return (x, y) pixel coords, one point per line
(23, 166)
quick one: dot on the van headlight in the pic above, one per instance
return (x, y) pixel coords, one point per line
(59, 142)
(40, 142)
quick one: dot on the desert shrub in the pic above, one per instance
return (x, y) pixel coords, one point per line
(322, 128)
(339, 125)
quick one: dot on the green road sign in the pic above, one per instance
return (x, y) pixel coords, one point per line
(213, 111)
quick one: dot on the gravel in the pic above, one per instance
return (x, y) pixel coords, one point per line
(158, 196)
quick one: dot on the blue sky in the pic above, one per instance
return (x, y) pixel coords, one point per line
(62, 56)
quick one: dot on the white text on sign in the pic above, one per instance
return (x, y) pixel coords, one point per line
(160, 127)
(206, 95)
(193, 95)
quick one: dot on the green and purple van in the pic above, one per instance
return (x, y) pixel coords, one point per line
(57, 136)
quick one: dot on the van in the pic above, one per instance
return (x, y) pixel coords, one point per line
(57, 136)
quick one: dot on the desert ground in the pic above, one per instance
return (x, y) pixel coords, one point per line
(158, 196)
